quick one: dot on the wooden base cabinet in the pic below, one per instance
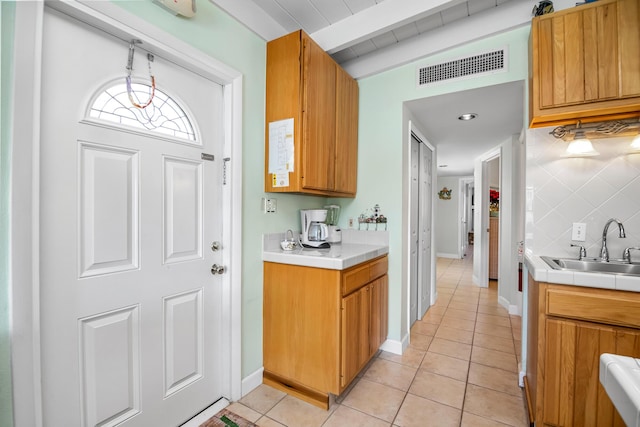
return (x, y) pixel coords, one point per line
(321, 326)
(570, 327)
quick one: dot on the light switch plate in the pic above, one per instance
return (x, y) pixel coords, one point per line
(579, 232)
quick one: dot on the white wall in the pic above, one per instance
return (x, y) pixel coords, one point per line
(448, 218)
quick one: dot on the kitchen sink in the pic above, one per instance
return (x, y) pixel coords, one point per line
(593, 265)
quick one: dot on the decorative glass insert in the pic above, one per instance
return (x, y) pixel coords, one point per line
(163, 115)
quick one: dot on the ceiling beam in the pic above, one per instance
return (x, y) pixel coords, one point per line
(510, 15)
(375, 20)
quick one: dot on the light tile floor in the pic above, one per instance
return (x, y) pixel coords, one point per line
(461, 369)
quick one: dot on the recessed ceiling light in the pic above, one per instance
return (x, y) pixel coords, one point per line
(443, 166)
(468, 116)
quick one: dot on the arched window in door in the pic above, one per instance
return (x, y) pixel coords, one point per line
(163, 115)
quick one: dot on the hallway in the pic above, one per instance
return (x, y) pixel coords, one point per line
(461, 369)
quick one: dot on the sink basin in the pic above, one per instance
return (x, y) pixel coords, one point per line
(620, 377)
(593, 265)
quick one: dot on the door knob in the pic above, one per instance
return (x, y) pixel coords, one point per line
(217, 269)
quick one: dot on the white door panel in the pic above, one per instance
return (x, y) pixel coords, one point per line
(416, 197)
(108, 209)
(182, 206)
(183, 338)
(110, 367)
(426, 201)
(130, 313)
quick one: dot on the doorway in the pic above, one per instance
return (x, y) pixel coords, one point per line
(482, 217)
(466, 209)
(493, 171)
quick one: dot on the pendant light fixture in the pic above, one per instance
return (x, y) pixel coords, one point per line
(635, 144)
(577, 135)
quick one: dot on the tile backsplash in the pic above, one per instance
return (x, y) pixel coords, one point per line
(561, 191)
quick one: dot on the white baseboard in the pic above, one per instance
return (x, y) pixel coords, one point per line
(511, 308)
(521, 376)
(394, 346)
(446, 255)
(514, 310)
(251, 381)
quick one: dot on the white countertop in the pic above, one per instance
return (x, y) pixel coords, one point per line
(542, 272)
(620, 377)
(352, 251)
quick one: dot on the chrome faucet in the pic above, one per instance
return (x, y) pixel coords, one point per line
(604, 252)
(626, 254)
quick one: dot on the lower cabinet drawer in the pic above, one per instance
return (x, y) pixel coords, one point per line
(610, 307)
(356, 277)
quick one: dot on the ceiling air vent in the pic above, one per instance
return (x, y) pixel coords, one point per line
(471, 66)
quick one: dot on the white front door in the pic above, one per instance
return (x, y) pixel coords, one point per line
(130, 312)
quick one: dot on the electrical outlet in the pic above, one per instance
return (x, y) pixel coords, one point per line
(350, 222)
(579, 232)
(269, 205)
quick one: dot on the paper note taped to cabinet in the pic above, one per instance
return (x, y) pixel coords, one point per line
(281, 146)
(280, 179)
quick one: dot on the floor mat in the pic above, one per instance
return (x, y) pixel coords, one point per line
(226, 418)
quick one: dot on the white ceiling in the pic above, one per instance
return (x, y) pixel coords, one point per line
(367, 37)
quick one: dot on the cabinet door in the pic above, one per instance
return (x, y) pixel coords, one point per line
(578, 54)
(379, 313)
(318, 118)
(346, 155)
(355, 333)
(585, 63)
(573, 394)
(629, 39)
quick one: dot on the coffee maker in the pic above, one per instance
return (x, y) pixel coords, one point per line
(314, 230)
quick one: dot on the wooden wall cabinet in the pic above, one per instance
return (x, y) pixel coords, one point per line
(305, 84)
(322, 326)
(569, 328)
(585, 63)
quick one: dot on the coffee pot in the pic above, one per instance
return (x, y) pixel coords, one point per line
(314, 230)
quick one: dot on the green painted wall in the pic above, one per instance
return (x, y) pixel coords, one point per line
(222, 37)
(7, 14)
(383, 131)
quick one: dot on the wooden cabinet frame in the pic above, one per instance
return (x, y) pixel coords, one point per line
(305, 84)
(584, 64)
(322, 326)
(569, 328)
